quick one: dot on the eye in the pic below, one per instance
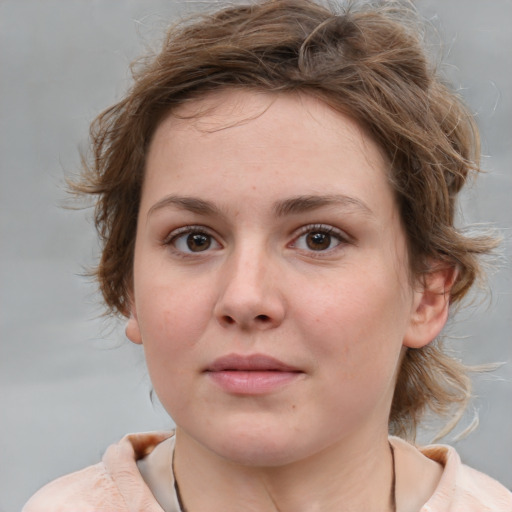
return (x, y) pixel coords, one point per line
(319, 238)
(192, 239)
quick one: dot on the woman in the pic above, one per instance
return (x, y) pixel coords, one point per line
(276, 197)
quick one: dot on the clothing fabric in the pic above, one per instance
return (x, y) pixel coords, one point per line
(116, 484)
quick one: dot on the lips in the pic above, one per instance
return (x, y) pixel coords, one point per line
(255, 374)
(253, 362)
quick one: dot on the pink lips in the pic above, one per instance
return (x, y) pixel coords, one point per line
(251, 375)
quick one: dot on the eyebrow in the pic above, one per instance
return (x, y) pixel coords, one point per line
(292, 206)
(192, 204)
(302, 204)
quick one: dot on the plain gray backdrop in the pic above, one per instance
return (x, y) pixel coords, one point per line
(70, 383)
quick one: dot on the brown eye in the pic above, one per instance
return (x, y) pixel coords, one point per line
(198, 242)
(320, 238)
(193, 239)
(318, 241)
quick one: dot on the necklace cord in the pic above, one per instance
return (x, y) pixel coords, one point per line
(176, 486)
(393, 480)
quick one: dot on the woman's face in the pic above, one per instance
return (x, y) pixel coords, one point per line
(271, 288)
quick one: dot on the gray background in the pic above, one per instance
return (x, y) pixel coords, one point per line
(70, 383)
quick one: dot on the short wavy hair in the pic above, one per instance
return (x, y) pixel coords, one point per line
(364, 59)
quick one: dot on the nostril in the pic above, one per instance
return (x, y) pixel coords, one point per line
(258, 321)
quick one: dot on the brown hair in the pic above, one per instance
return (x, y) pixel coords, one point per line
(364, 60)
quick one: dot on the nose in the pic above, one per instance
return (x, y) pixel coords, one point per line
(250, 297)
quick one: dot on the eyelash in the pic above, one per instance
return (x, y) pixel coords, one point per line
(324, 229)
(185, 231)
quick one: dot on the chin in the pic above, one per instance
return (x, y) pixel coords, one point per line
(262, 454)
(259, 447)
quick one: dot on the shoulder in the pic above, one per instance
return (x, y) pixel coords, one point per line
(91, 489)
(448, 485)
(109, 485)
(463, 487)
(484, 491)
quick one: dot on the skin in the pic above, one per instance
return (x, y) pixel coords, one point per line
(341, 311)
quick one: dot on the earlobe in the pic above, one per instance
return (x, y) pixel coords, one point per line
(132, 328)
(431, 307)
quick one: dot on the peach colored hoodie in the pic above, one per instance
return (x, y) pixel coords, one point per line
(116, 485)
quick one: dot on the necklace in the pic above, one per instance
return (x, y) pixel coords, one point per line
(393, 483)
(178, 495)
(393, 479)
(177, 489)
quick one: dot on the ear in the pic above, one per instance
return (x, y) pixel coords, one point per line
(430, 306)
(132, 328)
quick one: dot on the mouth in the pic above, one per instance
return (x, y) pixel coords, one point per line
(254, 374)
(253, 362)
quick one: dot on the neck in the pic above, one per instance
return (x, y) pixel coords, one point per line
(355, 475)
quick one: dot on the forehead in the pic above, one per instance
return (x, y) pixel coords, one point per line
(230, 108)
(210, 144)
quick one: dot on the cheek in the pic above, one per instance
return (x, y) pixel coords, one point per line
(168, 334)
(356, 346)
(172, 319)
(171, 308)
(357, 324)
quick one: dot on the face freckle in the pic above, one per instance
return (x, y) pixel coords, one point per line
(334, 318)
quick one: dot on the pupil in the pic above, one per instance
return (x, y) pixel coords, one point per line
(318, 241)
(198, 242)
